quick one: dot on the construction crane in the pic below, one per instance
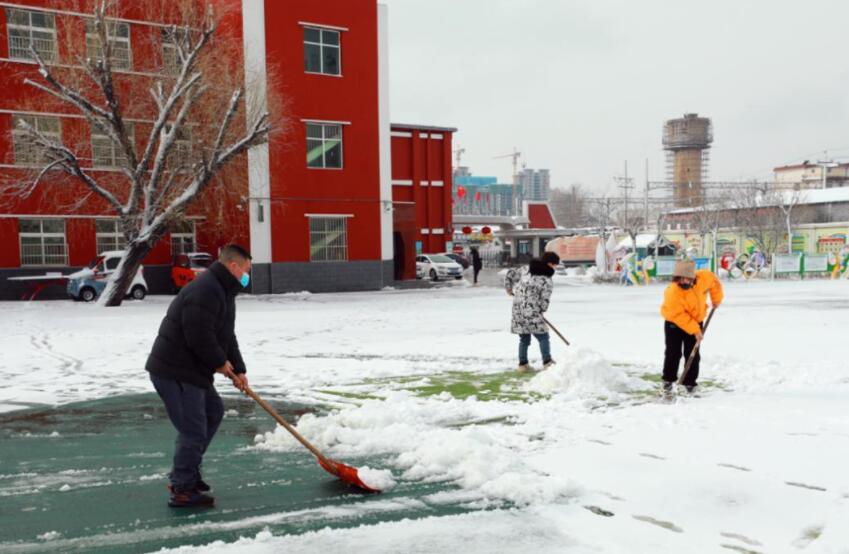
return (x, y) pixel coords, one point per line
(515, 155)
(459, 153)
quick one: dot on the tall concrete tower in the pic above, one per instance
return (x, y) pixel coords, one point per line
(687, 143)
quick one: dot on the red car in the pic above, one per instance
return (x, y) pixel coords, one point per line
(187, 266)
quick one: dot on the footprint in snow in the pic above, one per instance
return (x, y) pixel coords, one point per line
(809, 535)
(653, 456)
(668, 525)
(599, 511)
(804, 486)
(741, 538)
(732, 466)
(599, 441)
(739, 549)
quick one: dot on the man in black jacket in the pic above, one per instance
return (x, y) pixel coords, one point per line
(196, 340)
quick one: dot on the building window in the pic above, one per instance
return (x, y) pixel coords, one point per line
(181, 154)
(171, 63)
(118, 35)
(105, 152)
(43, 242)
(328, 239)
(322, 51)
(183, 238)
(109, 235)
(36, 28)
(26, 151)
(324, 146)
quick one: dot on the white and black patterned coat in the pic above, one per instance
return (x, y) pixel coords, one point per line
(531, 287)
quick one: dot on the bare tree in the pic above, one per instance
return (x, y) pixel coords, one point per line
(569, 206)
(709, 217)
(756, 217)
(786, 202)
(201, 125)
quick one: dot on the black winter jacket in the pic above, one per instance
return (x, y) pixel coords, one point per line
(197, 334)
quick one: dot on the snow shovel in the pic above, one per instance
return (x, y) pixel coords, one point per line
(343, 472)
(553, 328)
(696, 347)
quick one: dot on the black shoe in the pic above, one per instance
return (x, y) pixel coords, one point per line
(690, 388)
(200, 486)
(190, 499)
(667, 386)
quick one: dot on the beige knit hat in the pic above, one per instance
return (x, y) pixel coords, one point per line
(685, 268)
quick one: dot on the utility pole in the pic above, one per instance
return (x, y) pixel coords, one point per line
(824, 164)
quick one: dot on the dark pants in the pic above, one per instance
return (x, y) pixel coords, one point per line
(544, 347)
(476, 270)
(196, 412)
(678, 340)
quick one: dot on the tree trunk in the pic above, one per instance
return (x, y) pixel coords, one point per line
(119, 283)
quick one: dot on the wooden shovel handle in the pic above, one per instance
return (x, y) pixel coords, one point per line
(273, 413)
(553, 328)
(696, 347)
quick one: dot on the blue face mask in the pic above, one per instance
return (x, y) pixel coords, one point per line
(245, 279)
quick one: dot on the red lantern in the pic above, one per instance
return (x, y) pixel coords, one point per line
(478, 196)
(461, 191)
(486, 230)
(467, 230)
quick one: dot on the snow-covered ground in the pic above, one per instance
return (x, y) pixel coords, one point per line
(581, 458)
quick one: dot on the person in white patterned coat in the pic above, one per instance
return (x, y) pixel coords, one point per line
(531, 288)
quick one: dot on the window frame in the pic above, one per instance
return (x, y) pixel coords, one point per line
(324, 140)
(45, 259)
(20, 138)
(181, 235)
(326, 232)
(29, 28)
(120, 242)
(117, 158)
(169, 42)
(92, 41)
(321, 47)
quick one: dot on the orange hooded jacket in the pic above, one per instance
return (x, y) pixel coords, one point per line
(688, 308)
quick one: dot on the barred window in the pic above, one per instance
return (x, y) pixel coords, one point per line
(118, 35)
(109, 235)
(170, 57)
(324, 145)
(43, 242)
(181, 154)
(328, 239)
(183, 237)
(35, 28)
(322, 51)
(26, 151)
(107, 153)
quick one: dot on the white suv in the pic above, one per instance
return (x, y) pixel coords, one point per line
(437, 266)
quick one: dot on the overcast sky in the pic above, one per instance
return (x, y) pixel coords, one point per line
(579, 86)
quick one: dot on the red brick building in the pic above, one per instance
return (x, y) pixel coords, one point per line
(324, 206)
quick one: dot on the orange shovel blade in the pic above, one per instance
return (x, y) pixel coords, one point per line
(345, 473)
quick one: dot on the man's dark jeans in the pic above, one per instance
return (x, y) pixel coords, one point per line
(678, 340)
(196, 413)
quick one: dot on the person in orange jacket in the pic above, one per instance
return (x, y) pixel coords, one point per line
(684, 309)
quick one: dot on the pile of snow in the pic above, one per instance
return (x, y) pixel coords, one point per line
(377, 479)
(432, 440)
(583, 373)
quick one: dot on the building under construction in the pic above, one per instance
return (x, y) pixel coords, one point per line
(687, 143)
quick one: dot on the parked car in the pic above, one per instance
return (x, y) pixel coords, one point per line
(459, 258)
(437, 266)
(87, 284)
(187, 267)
